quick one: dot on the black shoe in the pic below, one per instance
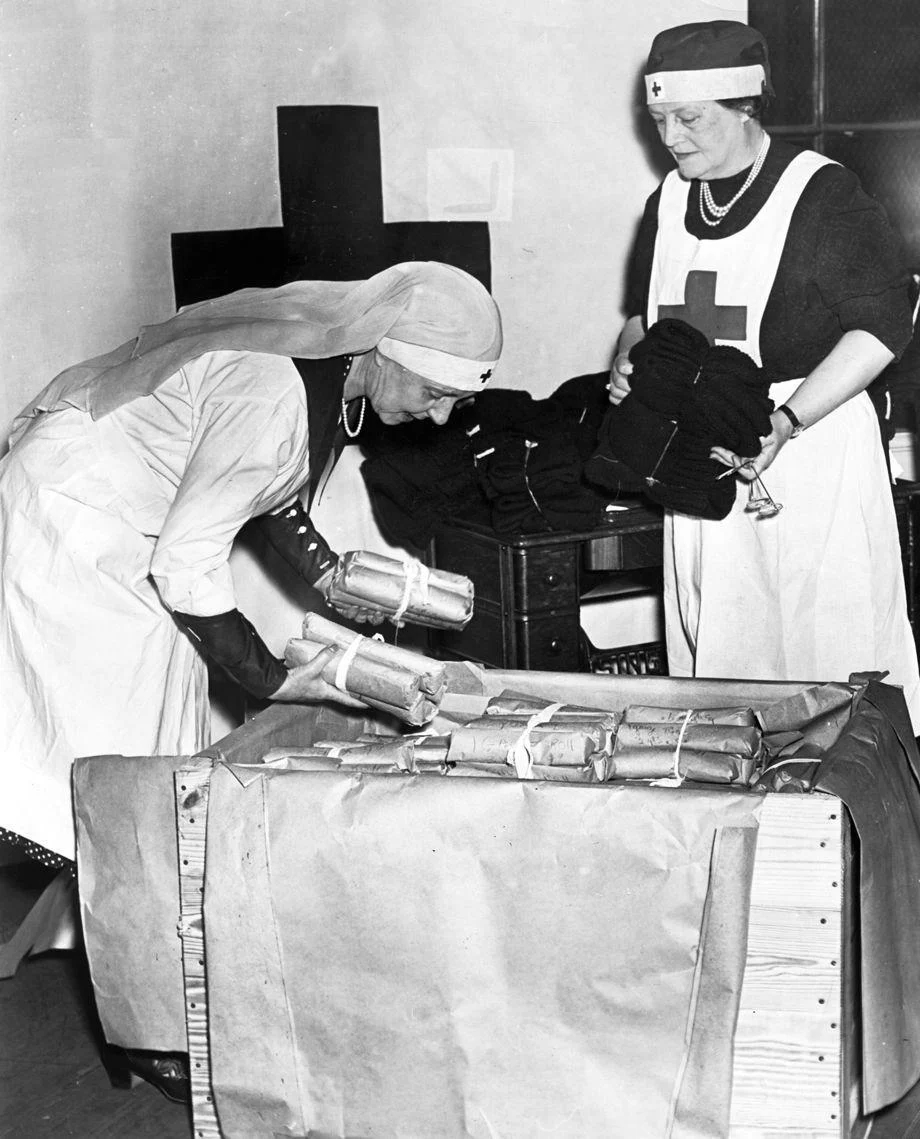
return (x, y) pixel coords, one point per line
(166, 1071)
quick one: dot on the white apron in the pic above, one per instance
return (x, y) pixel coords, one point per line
(816, 592)
(91, 660)
(83, 625)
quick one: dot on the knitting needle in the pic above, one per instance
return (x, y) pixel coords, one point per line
(733, 470)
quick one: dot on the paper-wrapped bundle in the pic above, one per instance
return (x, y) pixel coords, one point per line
(315, 758)
(401, 590)
(413, 750)
(405, 684)
(403, 753)
(379, 754)
(586, 774)
(569, 742)
(709, 753)
(511, 703)
(645, 714)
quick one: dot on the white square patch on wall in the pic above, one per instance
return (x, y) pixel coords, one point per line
(470, 184)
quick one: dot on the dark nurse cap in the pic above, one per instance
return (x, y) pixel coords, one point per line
(720, 59)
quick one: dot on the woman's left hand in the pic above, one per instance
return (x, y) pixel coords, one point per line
(750, 466)
(358, 613)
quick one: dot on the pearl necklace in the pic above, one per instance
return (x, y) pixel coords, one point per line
(719, 212)
(352, 432)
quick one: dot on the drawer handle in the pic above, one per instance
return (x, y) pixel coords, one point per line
(552, 579)
(555, 646)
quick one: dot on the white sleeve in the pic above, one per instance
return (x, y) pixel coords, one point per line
(249, 454)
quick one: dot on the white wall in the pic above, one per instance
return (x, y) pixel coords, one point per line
(126, 120)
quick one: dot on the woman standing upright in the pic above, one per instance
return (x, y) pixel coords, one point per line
(779, 252)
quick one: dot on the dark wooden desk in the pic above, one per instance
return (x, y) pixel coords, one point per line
(529, 587)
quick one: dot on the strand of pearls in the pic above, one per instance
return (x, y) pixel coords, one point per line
(719, 212)
(352, 432)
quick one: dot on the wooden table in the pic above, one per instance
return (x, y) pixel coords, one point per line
(529, 586)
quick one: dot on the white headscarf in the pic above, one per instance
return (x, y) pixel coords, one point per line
(434, 315)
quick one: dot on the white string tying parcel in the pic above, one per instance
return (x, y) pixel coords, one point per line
(675, 779)
(783, 763)
(519, 754)
(416, 571)
(344, 663)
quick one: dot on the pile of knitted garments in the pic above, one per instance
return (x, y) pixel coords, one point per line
(505, 460)
(417, 476)
(686, 397)
(529, 458)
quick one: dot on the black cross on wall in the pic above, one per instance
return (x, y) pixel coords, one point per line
(716, 322)
(329, 167)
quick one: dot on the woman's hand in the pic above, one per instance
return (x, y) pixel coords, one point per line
(304, 683)
(630, 335)
(750, 466)
(619, 387)
(360, 613)
(850, 366)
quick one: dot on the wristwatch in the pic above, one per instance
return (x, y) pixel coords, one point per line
(797, 426)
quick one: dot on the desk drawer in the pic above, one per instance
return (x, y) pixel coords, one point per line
(545, 578)
(624, 551)
(520, 578)
(549, 641)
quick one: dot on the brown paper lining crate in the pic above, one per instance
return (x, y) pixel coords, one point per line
(796, 1060)
(796, 1072)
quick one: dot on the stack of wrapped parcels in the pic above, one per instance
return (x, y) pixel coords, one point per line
(524, 737)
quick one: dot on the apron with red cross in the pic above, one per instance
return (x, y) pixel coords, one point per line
(816, 592)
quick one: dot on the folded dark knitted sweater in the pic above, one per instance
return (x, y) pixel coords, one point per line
(686, 397)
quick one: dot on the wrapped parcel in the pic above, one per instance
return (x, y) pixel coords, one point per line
(643, 714)
(401, 590)
(686, 747)
(405, 684)
(526, 734)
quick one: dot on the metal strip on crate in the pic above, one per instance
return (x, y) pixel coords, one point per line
(192, 784)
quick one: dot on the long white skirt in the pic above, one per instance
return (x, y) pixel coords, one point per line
(91, 662)
(813, 594)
